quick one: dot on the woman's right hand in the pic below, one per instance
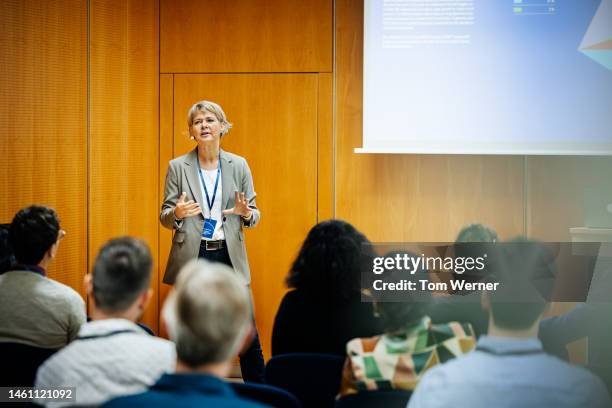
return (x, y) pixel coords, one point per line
(186, 209)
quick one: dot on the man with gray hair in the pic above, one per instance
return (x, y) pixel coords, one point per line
(208, 316)
(112, 355)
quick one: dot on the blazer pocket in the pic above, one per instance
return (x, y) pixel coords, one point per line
(179, 237)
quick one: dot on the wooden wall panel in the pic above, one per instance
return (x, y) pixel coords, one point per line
(411, 197)
(43, 93)
(123, 127)
(246, 36)
(275, 129)
(166, 153)
(325, 149)
(556, 192)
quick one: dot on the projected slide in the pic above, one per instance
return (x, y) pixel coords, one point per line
(488, 77)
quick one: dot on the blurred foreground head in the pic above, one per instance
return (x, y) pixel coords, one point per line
(208, 314)
(518, 264)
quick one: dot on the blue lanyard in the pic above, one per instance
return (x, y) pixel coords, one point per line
(208, 200)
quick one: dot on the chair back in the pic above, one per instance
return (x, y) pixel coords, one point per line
(313, 378)
(20, 363)
(368, 399)
(266, 394)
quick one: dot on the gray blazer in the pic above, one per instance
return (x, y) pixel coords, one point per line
(183, 176)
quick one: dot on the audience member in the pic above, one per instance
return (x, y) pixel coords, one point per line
(477, 233)
(465, 306)
(409, 346)
(324, 310)
(208, 316)
(34, 309)
(112, 355)
(591, 319)
(509, 367)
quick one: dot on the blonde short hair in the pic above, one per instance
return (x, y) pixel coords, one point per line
(208, 313)
(215, 109)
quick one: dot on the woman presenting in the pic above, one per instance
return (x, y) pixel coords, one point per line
(208, 198)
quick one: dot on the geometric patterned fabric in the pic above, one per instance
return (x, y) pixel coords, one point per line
(399, 360)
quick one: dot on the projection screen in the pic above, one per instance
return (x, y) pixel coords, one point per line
(529, 77)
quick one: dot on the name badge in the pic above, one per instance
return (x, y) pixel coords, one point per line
(209, 228)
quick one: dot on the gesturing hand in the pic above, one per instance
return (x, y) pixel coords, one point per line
(186, 209)
(240, 207)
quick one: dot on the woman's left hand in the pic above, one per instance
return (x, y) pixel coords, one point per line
(241, 207)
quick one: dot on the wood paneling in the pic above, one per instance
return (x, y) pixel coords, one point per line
(275, 129)
(556, 192)
(166, 147)
(411, 197)
(43, 93)
(325, 152)
(123, 127)
(246, 36)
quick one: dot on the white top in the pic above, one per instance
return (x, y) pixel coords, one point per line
(509, 372)
(210, 177)
(109, 358)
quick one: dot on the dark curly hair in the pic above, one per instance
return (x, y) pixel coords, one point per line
(329, 262)
(33, 231)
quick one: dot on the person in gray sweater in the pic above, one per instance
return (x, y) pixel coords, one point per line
(36, 310)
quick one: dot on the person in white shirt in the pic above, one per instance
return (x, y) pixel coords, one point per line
(509, 367)
(112, 355)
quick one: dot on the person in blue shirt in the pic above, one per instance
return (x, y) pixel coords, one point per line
(208, 316)
(509, 367)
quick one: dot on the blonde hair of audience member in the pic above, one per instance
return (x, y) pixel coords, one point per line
(208, 316)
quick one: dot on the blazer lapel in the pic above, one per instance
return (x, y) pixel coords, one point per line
(193, 178)
(227, 172)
